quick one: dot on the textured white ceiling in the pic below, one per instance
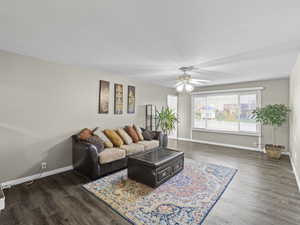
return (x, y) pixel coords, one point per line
(228, 41)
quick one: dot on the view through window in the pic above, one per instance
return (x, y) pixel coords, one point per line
(225, 112)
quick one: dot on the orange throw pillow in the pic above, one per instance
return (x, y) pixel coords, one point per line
(85, 134)
(132, 133)
(114, 137)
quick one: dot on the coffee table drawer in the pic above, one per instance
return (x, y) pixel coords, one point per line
(178, 166)
(164, 173)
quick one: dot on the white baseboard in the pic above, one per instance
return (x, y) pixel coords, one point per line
(10, 183)
(295, 173)
(218, 144)
(222, 144)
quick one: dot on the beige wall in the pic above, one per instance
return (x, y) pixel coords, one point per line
(43, 104)
(275, 91)
(294, 118)
(184, 115)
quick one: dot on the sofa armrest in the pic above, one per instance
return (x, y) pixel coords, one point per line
(158, 135)
(85, 158)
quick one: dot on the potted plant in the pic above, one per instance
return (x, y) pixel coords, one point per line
(166, 119)
(274, 116)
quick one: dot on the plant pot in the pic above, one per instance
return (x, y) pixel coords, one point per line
(274, 151)
(165, 140)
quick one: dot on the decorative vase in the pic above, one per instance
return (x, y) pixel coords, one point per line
(165, 140)
(274, 151)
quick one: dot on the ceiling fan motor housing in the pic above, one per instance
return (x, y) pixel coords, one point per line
(184, 78)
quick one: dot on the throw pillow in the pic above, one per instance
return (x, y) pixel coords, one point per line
(147, 135)
(107, 142)
(95, 140)
(126, 138)
(132, 133)
(139, 132)
(114, 137)
(84, 134)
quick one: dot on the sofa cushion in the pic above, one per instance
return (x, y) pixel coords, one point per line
(84, 134)
(147, 135)
(132, 133)
(100, 134)
(150, 144)
(123, 134)
(133, 148)
(111, 154)
(114, 137)
(97, 141)
(139, 132)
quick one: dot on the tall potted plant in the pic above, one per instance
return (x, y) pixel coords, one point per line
(274, 116)
(166, 119)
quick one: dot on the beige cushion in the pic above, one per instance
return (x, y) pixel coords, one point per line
(150, 144)
(111, 154)
(100, 134)
(126, 138)
(133, 148)
(139, 132)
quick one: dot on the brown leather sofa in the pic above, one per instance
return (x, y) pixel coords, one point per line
(90, 161)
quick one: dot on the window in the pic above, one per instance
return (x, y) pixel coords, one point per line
(225, 112)
(172, 102)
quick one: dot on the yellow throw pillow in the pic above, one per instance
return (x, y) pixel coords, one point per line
(114, 137)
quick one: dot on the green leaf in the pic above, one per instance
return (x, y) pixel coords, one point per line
(166, 119)
(274, 115)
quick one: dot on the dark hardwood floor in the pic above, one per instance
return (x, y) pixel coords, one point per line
(263, 192)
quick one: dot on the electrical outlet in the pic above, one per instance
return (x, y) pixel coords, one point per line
(44, 165)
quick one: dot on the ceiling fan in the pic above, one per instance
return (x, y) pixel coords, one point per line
(185, 82)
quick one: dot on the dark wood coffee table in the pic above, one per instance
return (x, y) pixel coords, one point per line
(156, 166)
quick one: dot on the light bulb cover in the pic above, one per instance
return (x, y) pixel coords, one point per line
(180, 88)
(189, 88)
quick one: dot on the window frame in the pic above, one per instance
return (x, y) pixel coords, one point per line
(239, 92)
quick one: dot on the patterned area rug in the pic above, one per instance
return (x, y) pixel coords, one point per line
(185, 199)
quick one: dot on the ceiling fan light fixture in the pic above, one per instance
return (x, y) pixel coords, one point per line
(180, 88)
(189, 88)
(185, 82)
(186, 87)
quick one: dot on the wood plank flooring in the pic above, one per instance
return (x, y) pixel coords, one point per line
(264, 192)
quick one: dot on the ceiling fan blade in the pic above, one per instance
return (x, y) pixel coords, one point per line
(197, 83)
(201, 80)
(210, 72)
(178, 83)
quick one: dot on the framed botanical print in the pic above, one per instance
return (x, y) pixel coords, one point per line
(118, 99)
(131, 99)
(104, 96)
